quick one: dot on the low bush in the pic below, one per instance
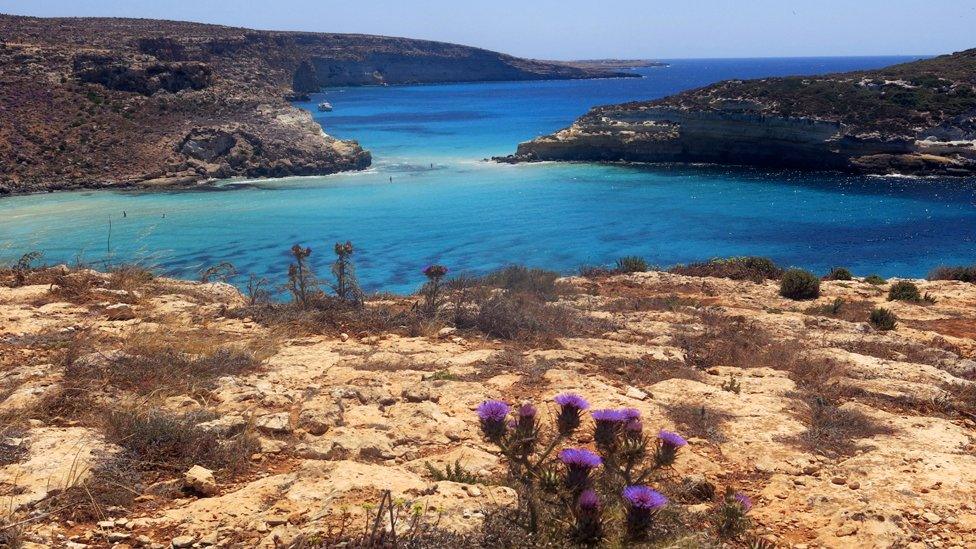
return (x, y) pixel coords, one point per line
(799, 284)
(595, 271)
(517, 316)
(631, 264)
(883, 319)
(129, 277)
(875, 280)
(904, 290)
(833, 308)
(520, 279)
(756, 269)
(839, 273)
(155, 440)
(20, 272)
(962, 274)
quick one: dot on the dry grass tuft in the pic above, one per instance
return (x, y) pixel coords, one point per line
(156, 440)
(163, 363)
(835, 431)
(699, 421)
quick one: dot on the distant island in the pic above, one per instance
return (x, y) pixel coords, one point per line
(99, 102)
(617, 64)
(916, 118)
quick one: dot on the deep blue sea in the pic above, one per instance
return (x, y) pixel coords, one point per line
(446, 205)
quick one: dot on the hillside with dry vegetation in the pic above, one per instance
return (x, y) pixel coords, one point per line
(140, 411)
(915, 118)
(93, 102)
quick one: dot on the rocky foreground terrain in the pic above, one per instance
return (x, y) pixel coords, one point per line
(113, 102)
(916, 118)
(146, 412)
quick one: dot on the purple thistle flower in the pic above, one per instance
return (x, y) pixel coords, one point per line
(492, 414)
(643, 504)
(572, 400)
(589, 501)
(608, 427)
(434, 271)
(579, 462)
(571, 406)
(527, 410)
(667, 448)
(494, 410)
(634, 427)
(608, 414)
(630, 413)
(643, 497)
(580, 457)
(588, 530)
(672, 439)
(525, 430)
(743, 501)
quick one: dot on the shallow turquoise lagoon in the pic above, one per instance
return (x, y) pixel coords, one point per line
(446, 205)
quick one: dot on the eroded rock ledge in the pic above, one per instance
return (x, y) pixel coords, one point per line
(339, 418)
(918, 118)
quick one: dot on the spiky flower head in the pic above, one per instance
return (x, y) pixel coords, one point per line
(644, 497)
(609, 415)
(588, 529)
(524, 429)
(668, 444)
(571, 406)
(672, 439)
(589, 501)
(343, 250)
(579, 462)
(642, 504)
(435, 272)
(492, 414)
(630, 413)
(743, 501)
(608, 426)
(580, 457)
(571, 400)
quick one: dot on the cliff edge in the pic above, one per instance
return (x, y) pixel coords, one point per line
(916, 118)
(95, 102)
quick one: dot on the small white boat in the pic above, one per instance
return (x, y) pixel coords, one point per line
(325, 106)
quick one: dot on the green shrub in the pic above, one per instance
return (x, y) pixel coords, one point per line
(756, 269)
(875, 279)
(839, 273)
(962, 274)
(829, 309)
(883, 319)
(904, 290)
(799, 284)
(631, 264)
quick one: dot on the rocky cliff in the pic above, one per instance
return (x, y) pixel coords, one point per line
(116, 102)
(915, 118)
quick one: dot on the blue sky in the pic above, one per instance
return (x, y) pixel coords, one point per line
(572, 29)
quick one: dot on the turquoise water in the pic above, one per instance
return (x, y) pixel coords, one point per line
(446, 205)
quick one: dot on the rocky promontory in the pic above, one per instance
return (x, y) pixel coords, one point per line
(916, 118)
(95, 102)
